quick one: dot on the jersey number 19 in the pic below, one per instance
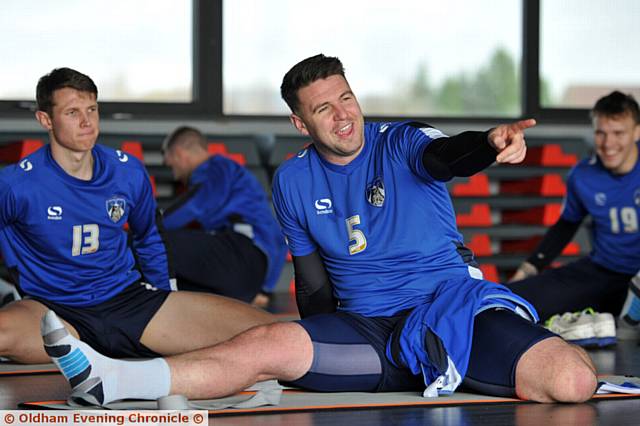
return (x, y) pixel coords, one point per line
(627, 217)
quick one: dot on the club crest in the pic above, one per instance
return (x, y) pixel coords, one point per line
(375, 192)
(115, 208)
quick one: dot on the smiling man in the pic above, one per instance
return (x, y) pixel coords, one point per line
(605, 187)
(62, 212)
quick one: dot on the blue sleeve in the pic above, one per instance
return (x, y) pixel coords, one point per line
(288, 207)
(203, 202)
(7, 204)
(573, 209)
(409, 142)
(147, 242)
(186, 209)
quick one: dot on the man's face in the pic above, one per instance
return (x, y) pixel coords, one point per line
(329, 112)
(74, 122)
(176, 159)
(615, 138)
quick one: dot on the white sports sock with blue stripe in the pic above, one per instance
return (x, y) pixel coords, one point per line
(96, 379)
(630, 313)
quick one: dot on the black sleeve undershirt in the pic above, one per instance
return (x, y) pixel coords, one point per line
(314, 292)
(462, 155)
(554, 241)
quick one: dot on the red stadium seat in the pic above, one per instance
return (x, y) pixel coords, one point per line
(480, 244)
(550, 185)
(550, 155)
(546, 214)
(219, 148)
(479, 215)
(476, 186)
(490, 272)
(134, 148)
(15, 151)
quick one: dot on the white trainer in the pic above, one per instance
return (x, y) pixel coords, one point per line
(574, 327)
(585, 328)
(604, 326)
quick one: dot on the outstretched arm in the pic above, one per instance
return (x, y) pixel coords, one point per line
(470, 152)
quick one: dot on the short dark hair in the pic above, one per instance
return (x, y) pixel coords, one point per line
(306, 72)
(60, 78)
(181, 135)
(617, 103)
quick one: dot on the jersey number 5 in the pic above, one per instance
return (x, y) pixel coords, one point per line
(85, 239)
(355, 235)
(627, 216)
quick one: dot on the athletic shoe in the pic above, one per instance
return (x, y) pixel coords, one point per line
(604, 326)
(585, 328)
(574, 327)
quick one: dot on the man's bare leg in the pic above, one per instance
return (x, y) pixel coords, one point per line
(188, 321)
(278, 350)
(20, 338)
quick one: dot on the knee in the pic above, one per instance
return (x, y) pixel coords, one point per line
(555, 371)
(280, 334)
(576, 379)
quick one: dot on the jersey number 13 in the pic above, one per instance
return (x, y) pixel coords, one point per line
(85, 239)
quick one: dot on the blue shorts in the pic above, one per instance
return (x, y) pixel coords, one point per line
(114, 327)
(350, 353)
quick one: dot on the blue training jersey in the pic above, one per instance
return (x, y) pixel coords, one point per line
(222, 193)
(613, 202)
(64, 236)
(385, 229)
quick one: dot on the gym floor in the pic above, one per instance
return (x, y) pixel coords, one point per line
(621, 359)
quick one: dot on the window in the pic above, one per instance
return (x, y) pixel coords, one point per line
(135, 51)
(407, 57)
(587, 49)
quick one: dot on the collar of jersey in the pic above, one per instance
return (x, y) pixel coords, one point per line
(200, 173)
(354, 164)
(97, 168)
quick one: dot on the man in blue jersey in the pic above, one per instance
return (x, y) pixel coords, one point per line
(390, 298)
(62, 213)
(238, 250)
(605, 187)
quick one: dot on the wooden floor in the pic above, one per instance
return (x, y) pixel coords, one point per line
(624, 358)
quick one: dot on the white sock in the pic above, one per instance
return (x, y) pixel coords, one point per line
(97, 379)
(630, 314)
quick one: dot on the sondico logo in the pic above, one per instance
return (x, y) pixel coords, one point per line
(54, 213)
(26, 165)
(122, 156)
(324, 206)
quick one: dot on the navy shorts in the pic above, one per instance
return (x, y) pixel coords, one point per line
(349, 353)
(114, 327)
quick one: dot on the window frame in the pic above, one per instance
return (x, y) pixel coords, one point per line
(208, 84)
